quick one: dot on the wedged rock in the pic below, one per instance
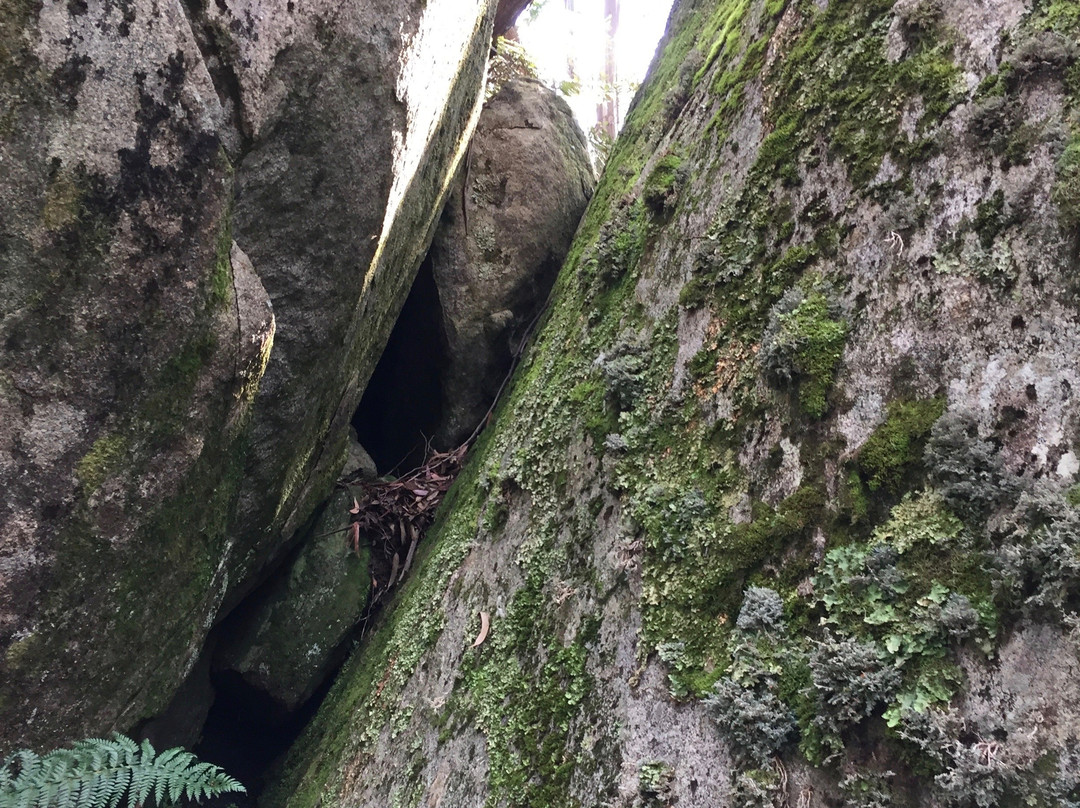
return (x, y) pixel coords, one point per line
(289, 636)
(355, 118)
(358, 463)
(504, 233)
(152, 473)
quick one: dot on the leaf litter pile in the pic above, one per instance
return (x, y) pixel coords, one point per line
(393, 516)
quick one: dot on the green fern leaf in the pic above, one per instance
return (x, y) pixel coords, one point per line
(108, 773)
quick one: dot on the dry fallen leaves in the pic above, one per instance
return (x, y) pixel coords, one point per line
(394, 515)
(485, 627)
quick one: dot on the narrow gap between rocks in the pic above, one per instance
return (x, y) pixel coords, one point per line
(246, 731)
(403, 403)
(237, 724)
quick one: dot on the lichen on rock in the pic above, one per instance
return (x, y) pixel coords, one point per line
(651, 464)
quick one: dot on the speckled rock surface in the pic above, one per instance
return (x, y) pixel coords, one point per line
(813, 342)
(168, 172)
(502, 237)
(133, 338)
(291, 633)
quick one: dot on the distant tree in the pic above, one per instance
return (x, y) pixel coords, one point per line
(607, 111)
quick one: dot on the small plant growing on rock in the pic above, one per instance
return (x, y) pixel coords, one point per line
(752, 719)
(867, 790)
(679, 94)
(1038, 560)
(662, 188)
(757, 788)
(618, 248)
(850, 680)
(958, 617)
(623, 368)
(966, 468)
(1044, 51)
(893, 452)
(923, 519)
(654, 783)
(988, 761)
(803, 343)
(1066, 193)
(919, 18)
(762, 610)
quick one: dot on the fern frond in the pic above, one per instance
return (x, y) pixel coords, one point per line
(108, 773)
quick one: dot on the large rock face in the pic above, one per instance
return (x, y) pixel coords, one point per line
(136, 319)
(133, 340)
(782, 508)
(504, 233)
(290, 635)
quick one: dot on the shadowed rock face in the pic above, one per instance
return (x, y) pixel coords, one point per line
(174, 176)
(504, 234)
(132, 344)
(288, 637)
(782, 506)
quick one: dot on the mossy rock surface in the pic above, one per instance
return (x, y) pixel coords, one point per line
(286, 639)
(645, 469)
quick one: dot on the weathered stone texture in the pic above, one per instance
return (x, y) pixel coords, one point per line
(289, 636)
(136, 308)
(122, 356)
(825, 225)
(504, 233)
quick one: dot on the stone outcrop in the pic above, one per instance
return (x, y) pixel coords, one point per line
(134, 335)
(504, 233)
(337, 198)
(288, 637)
(175, 176)
(507, 13)
(782, 506)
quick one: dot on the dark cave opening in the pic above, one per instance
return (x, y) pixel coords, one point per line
(403, 403)
(246, 731)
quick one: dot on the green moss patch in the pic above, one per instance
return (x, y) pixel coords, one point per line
(221, 277)
(803, 344)
(893, 452)
(661, 189)
(1066, 193)
(106, 456)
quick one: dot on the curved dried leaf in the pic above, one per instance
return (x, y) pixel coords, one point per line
(485, 627)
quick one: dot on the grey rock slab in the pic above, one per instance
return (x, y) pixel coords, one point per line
(290, 633)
